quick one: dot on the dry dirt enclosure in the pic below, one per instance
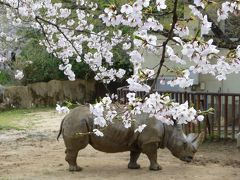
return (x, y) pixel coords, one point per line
(35, 154)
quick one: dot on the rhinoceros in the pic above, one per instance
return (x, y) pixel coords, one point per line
(117, 138)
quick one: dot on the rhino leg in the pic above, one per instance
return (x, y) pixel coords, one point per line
(133, 160)
(151, 151)
(73, 145)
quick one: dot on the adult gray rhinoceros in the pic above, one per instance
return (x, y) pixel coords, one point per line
(119, 139)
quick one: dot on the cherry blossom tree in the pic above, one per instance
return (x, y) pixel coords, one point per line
(69, 32)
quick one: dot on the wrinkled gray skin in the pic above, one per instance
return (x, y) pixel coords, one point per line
(119, 139)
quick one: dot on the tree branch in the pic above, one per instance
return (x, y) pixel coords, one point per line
(157, 14)
(170, 34)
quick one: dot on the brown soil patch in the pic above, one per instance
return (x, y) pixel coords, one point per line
(36, 154)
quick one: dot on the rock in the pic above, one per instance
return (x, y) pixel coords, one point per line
(2, 89)
(18, 96)
(47, 93)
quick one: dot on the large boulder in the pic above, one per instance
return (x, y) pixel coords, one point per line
(2, 104)
(18, 96)
(78, 91)
(2, 89)
(39, 93)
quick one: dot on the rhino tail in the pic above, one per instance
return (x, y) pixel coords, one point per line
(60, 130)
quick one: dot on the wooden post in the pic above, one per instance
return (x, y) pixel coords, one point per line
(219, 106)
(233, 117)
(212, 116)
(239, 114)
(187, 98)
(193, 101)
(226, 118)
(176, 97)
(206, 122)
(180, 99)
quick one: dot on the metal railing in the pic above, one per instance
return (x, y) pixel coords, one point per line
(223, 123)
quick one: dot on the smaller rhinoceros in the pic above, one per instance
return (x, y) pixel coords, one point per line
(117, 138)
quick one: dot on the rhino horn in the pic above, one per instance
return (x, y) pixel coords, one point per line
(191, 137)
(196, 140)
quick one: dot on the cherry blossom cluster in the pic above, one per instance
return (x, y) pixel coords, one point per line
(205, 24)
(228, 7)
(103, 112)
(19, 74)
(110, 75)
(183, 81)
(202, 54)
(163, 108)
(181, 31)
(70, 34)
(62, 109)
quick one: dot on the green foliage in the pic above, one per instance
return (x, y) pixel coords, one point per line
(38, 65)
(5, 77)
(121, 61)
(232, 25)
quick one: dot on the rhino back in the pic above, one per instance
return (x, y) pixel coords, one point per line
(116, 138)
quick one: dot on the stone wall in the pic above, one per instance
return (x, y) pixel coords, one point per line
(47, 93)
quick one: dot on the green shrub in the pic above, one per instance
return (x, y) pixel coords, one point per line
(5, 77)
(40, 66)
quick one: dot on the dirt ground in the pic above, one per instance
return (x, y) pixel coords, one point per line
(36, 154)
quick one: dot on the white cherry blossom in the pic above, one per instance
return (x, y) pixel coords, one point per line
(181, 30)
(19, 74)
(200, 118)
(206, 26)
(98, 133)
(199, 3)
(160, 5)
(126, 8)
(145, 3)
(238, 51)
(62, 109)
(196, 12)
(140, 128)
(127, 46)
